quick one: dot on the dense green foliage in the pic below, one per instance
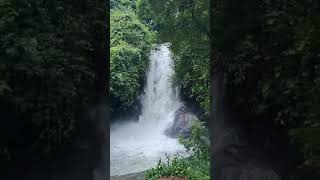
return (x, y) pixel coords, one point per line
(123, 4)
(184, 24)
(270, 51)
(196, 166)
(131, 42)
(47, 70)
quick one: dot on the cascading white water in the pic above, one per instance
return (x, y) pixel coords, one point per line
(137, 146)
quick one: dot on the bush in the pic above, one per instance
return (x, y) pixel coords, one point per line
(196, 166)
(131, 42)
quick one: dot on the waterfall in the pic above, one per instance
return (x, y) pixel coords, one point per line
(138, 145)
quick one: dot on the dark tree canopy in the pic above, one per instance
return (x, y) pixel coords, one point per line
(269, 54)
(47, 73)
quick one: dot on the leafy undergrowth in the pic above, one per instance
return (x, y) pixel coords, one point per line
(174, 178)
(194, 167)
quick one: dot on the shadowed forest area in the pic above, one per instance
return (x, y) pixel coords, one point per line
(265, 88)
(53, 88)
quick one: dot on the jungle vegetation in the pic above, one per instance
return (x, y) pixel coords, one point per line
(131, 42)
(53, 68)
(268, 55)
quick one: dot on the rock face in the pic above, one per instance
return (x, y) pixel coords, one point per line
(181, 123)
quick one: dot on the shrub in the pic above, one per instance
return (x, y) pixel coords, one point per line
(196, 166)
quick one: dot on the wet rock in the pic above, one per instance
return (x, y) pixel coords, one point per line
(181, 123)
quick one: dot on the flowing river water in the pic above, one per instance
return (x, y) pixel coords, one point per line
(136, 146)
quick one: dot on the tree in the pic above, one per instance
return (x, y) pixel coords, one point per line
(131, 42)
(49, 50)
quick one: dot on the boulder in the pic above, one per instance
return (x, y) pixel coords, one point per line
(181, 123)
